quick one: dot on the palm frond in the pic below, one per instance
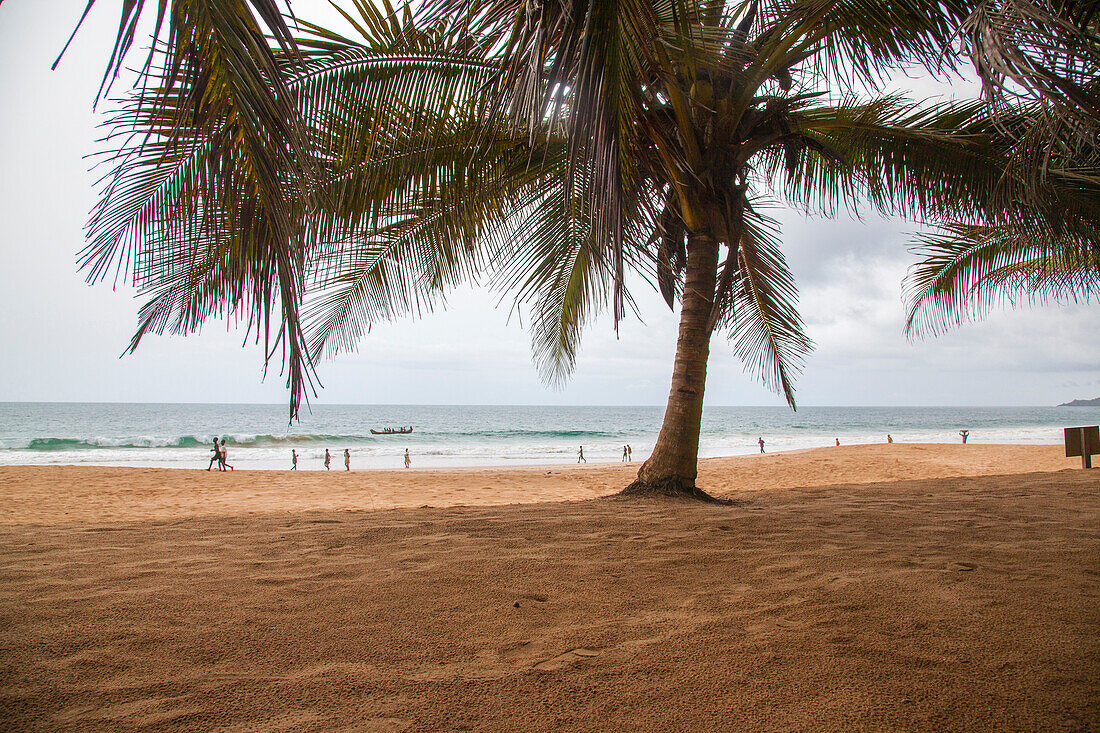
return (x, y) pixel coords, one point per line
(434, 240)
(1043, 49)
(967, 270)
(175, 19)
(558, 263)
(924, 162)
(219, 120)
(855, 42)
(762, 320)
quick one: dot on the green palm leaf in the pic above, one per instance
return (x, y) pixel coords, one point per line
(967, 270)
(763, 323)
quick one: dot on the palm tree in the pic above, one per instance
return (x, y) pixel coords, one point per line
(548, 148)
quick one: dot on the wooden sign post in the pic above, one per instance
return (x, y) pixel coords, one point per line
(1083, 442)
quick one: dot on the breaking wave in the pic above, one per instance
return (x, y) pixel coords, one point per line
(47, 444)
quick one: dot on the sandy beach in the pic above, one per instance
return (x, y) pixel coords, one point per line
(879, 587)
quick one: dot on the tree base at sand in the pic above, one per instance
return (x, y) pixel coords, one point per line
(670, 487)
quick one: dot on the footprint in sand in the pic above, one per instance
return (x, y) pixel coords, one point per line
(567, 659)
(533, 655)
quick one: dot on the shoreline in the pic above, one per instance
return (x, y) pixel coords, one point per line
(309, 463)
(66, 494)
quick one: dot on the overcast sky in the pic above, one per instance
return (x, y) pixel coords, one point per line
(60, 339)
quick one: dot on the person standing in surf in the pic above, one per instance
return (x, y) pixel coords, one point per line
(293, 460)
(347, 459)
(328, 459)
(408, 459)
(761, 442)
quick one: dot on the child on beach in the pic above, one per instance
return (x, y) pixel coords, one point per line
(293, 460)
(408, 459)
(328, 459)
(347, 459)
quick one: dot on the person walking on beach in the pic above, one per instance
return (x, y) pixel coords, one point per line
(889, 438)
(580, 455)
(216, 457)
(838, 442)
(965, 434)
(328, 459)
(629, 458)
(224, 457)
(624, 454)
(408, 459)
(293, 460)
(761, 442)
(347, 459)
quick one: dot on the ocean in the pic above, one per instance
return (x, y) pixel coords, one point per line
(259, 437)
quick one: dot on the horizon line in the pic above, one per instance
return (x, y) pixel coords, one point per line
(486, 404)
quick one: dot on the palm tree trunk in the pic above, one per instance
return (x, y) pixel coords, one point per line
(673, 465)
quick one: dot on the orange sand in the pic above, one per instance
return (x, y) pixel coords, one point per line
(53, 494)
(900, 587)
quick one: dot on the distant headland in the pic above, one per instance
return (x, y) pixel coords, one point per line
(1095, 402)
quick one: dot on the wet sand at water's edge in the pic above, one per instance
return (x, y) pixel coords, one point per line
(886, 587)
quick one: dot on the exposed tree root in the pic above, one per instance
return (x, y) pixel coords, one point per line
(675, 488)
